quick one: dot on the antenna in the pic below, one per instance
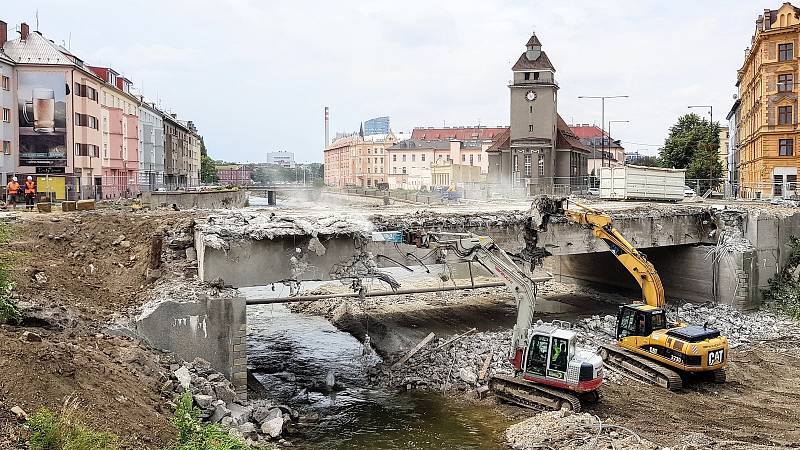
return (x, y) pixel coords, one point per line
(37, 20)
(69, 41)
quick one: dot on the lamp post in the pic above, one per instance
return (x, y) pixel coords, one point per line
(711, 115)
(611, 141)
(602, 120)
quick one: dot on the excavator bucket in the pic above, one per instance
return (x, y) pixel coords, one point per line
(542, 208)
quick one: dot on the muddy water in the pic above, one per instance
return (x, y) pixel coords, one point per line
(291, 354)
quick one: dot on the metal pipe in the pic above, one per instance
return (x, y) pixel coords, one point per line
(313, 298)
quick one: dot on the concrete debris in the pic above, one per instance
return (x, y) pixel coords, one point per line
(257, 421)
(562, 430)
(219, 230)
(29, 336)
(20, 413)
(315, 245)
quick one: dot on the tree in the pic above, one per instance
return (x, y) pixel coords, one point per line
(208, 171)
(649, 161)
(693, 144)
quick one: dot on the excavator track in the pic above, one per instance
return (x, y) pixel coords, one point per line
(640, 368)
(532, 395)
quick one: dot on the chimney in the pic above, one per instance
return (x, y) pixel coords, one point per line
(24, 30)
(327, 126)
(767, 19)
(3, 33)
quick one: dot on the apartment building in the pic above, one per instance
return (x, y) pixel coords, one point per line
(57, 116)
(151, 146)
(8, 108)
(605, 151)
(192, 155)
(358, 160)
(120, 131)
(176, 147)
(767, 134)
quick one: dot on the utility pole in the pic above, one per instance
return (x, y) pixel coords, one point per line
(602, 121)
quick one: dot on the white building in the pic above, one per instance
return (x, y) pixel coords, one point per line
(281, 158)
(151, 147)
(8, 109)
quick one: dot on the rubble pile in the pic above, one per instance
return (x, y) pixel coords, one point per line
(457, 366)
(256, 423)
(563, 430)
(427, 219)
(219, 230)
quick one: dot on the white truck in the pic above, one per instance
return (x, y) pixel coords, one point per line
(631, 182)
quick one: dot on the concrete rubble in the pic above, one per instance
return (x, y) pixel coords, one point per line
(563, 430)
(259, 423)
(219, 230)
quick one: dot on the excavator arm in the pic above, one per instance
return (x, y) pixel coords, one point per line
(635, 262)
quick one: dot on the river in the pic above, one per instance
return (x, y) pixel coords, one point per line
(292, 353)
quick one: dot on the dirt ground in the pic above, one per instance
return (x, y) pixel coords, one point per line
(73, 274)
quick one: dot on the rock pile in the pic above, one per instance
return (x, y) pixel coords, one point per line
(563, 430)
(256, 423)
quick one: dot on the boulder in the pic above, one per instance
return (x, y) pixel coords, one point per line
(67, 206)
(228, 422)
(468, 375)
(184, 377)
(273, 413)
(224, 392)
(30, 336)
(191, 254)
(20, 413)
(260, 414)
(273, 427)
(248, 430)
(203, 401)
(220, 411)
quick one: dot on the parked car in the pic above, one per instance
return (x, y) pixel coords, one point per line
(594, 191)
(688, 192)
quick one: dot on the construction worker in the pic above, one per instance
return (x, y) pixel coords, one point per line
(12, 190)
(30, 193)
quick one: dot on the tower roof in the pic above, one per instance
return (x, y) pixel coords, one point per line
(542, 62)
(533, 41)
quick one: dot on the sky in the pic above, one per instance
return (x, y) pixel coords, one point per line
(255, 75)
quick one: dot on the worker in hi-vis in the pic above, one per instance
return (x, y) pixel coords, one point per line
(30, 193)
(12, 190)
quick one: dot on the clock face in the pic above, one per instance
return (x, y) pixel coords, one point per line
(531, 96)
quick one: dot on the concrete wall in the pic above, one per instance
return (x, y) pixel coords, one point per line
(210, 328)
(204, 200)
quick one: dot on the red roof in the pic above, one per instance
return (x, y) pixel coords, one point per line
(458, 133)
(566, 138)
(586, 131)
(501, 141)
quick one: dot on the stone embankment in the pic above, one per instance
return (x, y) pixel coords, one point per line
(259, 423)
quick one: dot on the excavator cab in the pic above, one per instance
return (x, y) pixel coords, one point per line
(639, 320)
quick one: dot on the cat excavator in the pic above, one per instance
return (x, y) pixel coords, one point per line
(648, 348)
(549, 369)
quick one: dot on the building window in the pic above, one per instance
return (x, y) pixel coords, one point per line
(530, 109)
(6, 115)
(527, 165)
(527, 75)
(413, 157)
(463, 158)
(785, 52)
(515, 164)
(479, 158)
(535, 75)
(530, 128)
(786, 147)
(541, 165)
(423, 157)
(471, 159)
(394, 169)
(6, 148)
(394, 158)
(404, 157)
(6, 83)
(404, 170)
(785, 82)
(784, 115)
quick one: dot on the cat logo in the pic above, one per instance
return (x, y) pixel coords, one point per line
(716, 357)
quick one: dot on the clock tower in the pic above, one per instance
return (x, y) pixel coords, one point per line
(531, 153)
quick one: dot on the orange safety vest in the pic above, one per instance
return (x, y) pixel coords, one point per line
(13, 187)
(30, 188)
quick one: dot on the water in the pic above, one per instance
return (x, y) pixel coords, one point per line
(292, 354)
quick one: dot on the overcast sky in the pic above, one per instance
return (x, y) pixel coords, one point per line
(255, 75)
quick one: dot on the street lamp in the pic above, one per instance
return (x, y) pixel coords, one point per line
(602, 120)
(710, 110)
(610, 136)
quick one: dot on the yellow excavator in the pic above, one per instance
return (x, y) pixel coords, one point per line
(648, 348)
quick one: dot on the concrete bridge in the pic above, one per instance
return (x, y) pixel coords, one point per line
(701, 253)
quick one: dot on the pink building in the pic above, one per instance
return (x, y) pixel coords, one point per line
(120, 135)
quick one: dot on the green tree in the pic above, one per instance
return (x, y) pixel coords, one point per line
(693, 144)
(208, 171)
(649, 161)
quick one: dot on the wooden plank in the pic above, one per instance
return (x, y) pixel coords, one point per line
(486, 364)
(413, 351)
(453, 339)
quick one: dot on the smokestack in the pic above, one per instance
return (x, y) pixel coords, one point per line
(327, 126)
(24, 30)
(3, 33)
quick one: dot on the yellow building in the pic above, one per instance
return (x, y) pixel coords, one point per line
(767, 127)
(359, 160)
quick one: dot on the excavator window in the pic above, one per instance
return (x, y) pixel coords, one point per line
(558, 355)
(627, 323)
(537, 355)
(659, 322)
